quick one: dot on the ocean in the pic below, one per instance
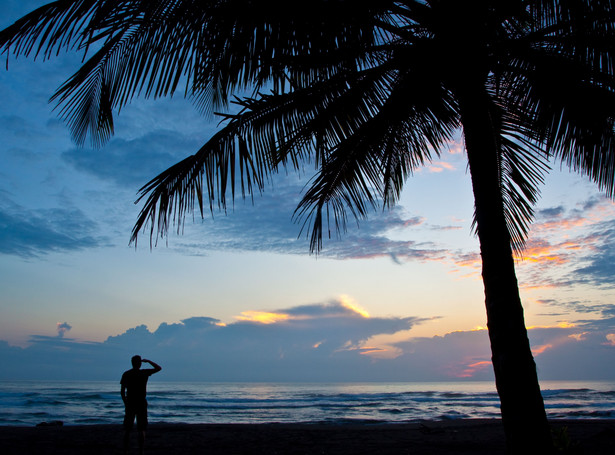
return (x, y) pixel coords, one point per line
(79, 403)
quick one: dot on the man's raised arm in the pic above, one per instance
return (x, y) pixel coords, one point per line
(157, 367)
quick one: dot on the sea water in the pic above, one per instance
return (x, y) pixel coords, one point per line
(75, 403)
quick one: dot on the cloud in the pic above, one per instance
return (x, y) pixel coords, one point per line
(152, 135)
(551, 212)
(569, 247)
(267, 224)
(322, 341)
(30, 233)
(133, 162)
(328, 341)
(600, 268)
(439, 166)
(62, 328)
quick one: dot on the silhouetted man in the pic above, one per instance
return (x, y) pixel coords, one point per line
(134, 384)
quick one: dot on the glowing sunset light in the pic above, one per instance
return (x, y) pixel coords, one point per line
(471, 369)
(559, 325)
(611, 338)
(482, 363)
(468, 260)
(262, 316)
(562, 225)
(533, 287)
(380, 353)
(348, 302)
(541, 259)
(540, 349)
(542, 252)
(368, 350)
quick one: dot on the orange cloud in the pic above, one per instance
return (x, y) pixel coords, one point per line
(368, 350)
(384, 352)
(539, 251)
(533, 287)
(611, 339)
(480, 364)
(540, 349)
(562, 225)
(470, 370)
(472, 260)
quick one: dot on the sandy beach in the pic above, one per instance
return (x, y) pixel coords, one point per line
(451, 437)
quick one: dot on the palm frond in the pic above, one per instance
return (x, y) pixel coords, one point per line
(568, 107)
(372, 164)
(206, 177)
(57, 26)
(149, 47)
(359, 87)
(523, 168)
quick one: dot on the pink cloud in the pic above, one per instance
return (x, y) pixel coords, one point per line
(470, 370)
(440, 166)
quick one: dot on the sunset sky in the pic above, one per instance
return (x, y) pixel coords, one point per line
(237, 296)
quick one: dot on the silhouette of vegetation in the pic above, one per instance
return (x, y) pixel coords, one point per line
(563, 442)
(367, 91)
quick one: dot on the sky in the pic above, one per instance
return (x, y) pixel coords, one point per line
(237, 296)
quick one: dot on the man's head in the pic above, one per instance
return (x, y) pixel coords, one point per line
(136, 361)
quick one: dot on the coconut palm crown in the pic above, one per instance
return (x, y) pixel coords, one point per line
(367, 91)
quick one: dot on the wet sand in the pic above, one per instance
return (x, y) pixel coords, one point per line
(594, 437)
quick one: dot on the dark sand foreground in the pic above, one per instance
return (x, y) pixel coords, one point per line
(594, 437)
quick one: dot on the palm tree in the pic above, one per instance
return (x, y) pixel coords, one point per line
(367, 91)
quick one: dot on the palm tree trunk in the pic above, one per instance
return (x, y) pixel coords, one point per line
(522, 407)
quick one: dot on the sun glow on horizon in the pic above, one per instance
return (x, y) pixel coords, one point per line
(262, 317)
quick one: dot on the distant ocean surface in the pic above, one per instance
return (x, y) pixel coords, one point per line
(78, 403)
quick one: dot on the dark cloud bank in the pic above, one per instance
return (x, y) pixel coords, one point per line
(321, 342)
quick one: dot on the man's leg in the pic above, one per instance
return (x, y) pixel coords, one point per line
(142, 426)
(129, 418)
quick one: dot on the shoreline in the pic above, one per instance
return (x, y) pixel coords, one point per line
(469, 436)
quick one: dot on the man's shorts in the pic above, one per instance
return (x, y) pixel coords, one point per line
(138, 410)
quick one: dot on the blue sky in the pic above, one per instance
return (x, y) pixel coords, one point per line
(237, 296)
